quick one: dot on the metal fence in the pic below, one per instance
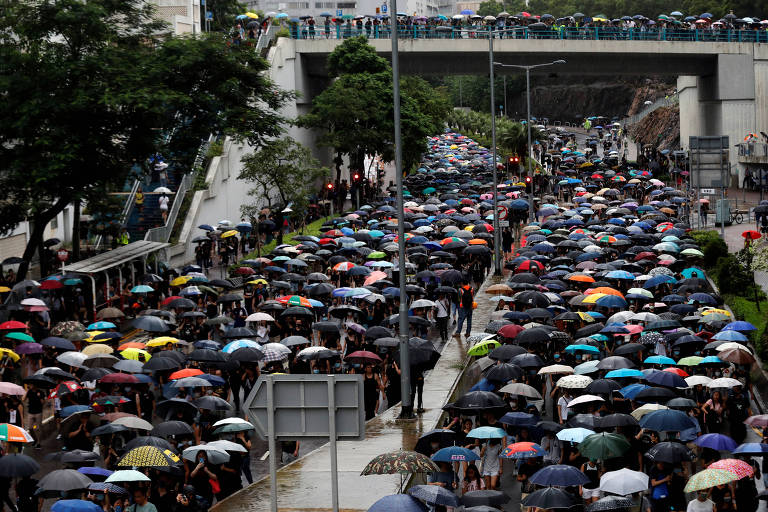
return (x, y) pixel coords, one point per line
(163, 233)
(753, 149)
(659, 103)
(417, 31)
(125, 213)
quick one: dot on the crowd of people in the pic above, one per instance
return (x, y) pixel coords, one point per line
(605, 313)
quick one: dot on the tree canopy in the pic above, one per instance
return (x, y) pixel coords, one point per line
(355, 111)
(89, 88)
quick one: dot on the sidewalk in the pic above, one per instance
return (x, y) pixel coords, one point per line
(305, 484)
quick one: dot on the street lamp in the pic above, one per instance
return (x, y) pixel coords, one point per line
(532, 213)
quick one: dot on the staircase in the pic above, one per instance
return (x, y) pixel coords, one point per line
(143, 219)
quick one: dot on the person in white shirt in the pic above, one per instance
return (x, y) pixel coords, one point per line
(562, 405)
(442, 311)
(163, 203)
(702, 503)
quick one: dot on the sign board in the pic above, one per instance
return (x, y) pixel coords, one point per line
(708, 191)
(709, 161)
(62, 254)
(503, 223)
(338, 12)
(300, 404)
(503, 212)
(209, 15)
(383, 7)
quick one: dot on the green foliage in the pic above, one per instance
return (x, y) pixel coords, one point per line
(649, 8)
(364, 87)
(511, 137)
(732, 277)
(711, 245)
(283, 32)
(746, 308)
(312, 229)
(224, 13)
(475, 91)
(285, 167)
(85, 95)
(215, 148)
(493, 8)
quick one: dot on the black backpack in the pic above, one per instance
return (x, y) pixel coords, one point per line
(466, 298)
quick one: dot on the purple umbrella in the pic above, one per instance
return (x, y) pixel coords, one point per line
(716, 442)
(29, 348)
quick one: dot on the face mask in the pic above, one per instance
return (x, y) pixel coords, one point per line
(315, 371)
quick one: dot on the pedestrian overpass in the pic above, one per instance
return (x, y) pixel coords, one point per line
(723, 86)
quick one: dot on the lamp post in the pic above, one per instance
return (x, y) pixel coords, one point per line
(406, 409)
(531, 210)
(496, 234)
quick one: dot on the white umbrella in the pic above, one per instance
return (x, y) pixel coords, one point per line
(623, 482)
(127, 475)
(693, 380)
(556, 368)
(645, 317)
(574, 381)
(72, 358)
(731, 345)
(278, 347)
(227, 446)
(215, 455)
(163, 190)
(620, 317)
(517, 388)
(574, 435)
(645, 409)
(422, 303)
(229, 421)
(33, 302)
(585, 399)
(133, 422)
(724, 382)
(259, 317)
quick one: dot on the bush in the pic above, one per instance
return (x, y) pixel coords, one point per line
(731, 277)
(711, 245)
(283, 32)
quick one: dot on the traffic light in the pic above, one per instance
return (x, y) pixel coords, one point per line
(329, 186)
(356, 177)
(528, 183)
(513, 161)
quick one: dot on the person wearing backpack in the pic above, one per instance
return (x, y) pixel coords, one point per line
(466, 306)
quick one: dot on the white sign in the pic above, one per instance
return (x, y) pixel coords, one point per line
(708, 191)
(503, 223)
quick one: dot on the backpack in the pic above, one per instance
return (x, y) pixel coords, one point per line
(466, 298)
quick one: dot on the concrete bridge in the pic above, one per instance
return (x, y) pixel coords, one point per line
(723, 86)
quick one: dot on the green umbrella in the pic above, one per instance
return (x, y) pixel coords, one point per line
(429, 190)
(692, 252)
(377, 255)
(20, 336)
(482, 348)
(709, 478)
(604, 446)
(690, 361)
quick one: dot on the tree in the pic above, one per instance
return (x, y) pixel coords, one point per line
(355, 112)
(283, 167)
(88, 86)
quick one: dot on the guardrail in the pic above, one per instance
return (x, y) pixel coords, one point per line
(661, 102)
(265, 38)
(163, 233)
(753, 149)
(345, 31)
(125, 213)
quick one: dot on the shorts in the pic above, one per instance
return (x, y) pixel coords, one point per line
(490, 472)
(590, 493)
(35, 420)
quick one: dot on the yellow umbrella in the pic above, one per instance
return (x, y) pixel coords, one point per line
(4, 289)
(258, 281)
(161, 341)
(586, 317)
(714, 310)
(252, 15)
(97, 348)
(180, 281)
(591, 299)
(227, 234)
(136, 354)
(13, 355)
(91, 335)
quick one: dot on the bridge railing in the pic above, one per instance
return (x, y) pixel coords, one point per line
(753, 149)
(345, 31)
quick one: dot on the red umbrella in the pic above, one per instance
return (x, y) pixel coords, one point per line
(645, 256)
(51, 284)
(119, 378)
(363, 357)
(510, 331)
(12, 324)
(529, 265)
(169, 299)
(244, 271)
(751, 235)
(676, 371)
(64, 388)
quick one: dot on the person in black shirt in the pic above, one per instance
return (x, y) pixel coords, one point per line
(80, 437)
(35, 398)
(738, 411)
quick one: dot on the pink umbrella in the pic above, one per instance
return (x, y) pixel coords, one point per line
(374, 276)
(738, 467)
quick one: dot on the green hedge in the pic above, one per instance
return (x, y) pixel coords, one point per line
(711, 245)
(745, 308)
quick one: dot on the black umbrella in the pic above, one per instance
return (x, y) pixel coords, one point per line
(161, 363)
(615, 363)
(422, 353)
(506, 352)
(212, 403)
(78, 456)
(655, 395)
(206, 355)
(377, 332)
(94, 374)
(527, 360)
(109, 428)
(503, 373)
(17, 465)
(172, 428)
(602, 387)
(616, 420)
(484, 497)
(239, 332)
(168, 408)
(40, 381)
(442, 436)
(532, 336)
(297, 311)
(584, 421)
(247, 355)
(181, 303)
(64, 480)
(670, 452)
(628, 348)
(478, 401)
(549, 498)
(150, 324)
(60, 343)
(229, 297)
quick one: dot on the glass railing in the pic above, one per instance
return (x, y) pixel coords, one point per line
(344, 31)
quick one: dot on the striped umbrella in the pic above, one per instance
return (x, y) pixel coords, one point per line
(14, 434)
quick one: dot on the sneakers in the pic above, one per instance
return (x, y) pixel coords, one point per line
(58, 437)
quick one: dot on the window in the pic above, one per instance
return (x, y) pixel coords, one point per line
(55, 223)
(346, 5)
(298, 5)
(325, 5)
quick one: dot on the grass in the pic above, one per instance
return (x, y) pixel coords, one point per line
(312, 229)
(745, 308)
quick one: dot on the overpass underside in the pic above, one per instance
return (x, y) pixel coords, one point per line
(723, 87)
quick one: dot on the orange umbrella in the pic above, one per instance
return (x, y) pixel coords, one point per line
(132, 344)
(478, 241)
(581, 278)
(186, 372)
(604, 289)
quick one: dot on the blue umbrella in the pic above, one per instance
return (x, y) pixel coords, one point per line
(72, 409)
(632, 390)
(658, 280)
(206, 227)
(659, 360)
(611, 301)
(454, 454)
(142, 288)
(399, 502)
(582, 348)
(625, 372)
(434, 495)
(666, 420)
(720, 336)
(105, 487)
(615, 328)
(667, 379)
(97, 326)
(518, 419)
(75, 506)
(740, 325)
(95, 471)
(560, 475)
(620, 274)
(751, 449)
(692, 272)
(716, 442)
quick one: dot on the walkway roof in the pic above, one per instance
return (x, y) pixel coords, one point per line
(116, 257)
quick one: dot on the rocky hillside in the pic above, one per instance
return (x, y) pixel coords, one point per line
(661, 128)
